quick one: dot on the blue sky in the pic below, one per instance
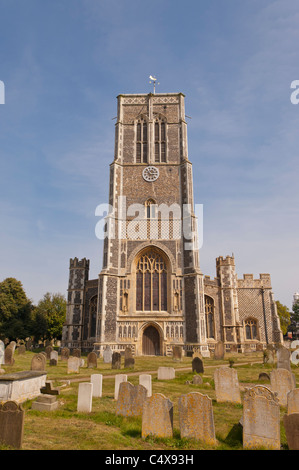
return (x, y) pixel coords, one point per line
(63, 64)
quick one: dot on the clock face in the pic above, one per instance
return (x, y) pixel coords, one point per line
(150, 173)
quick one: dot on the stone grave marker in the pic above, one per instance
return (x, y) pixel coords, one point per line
(45, 402)
(197, 365)
(107, 355)
(196, 418)
(269, 355)
(53, 358)
(177, 353)
(92, 360)
(197, 380)
(116, 360)
(129, 359)
(166, 373)
(73, 365)
(282, 382)
(11, 424)
(291, 425)
(219, 352)
(76, 352)
(97, 382)
(84, 403)
(264, 376)
(283, 358)
(2, 349)
(227, 385)
(38, 362)
(261, 419)
(21, 349)
(48, 351)
(131, 399)
(119, 378)
(146, 381)
(48, 390)
(293, 401)
(65, 354)
(9, 356)
(157, 416)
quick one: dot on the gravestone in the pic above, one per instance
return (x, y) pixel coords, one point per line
(264, 376)
(282, 382)
(197, 365)
(293, 401)
(21, 349)
(28, 345)
(166, 373)
(197, 380)
(157, 417)
(283, 358)
(196, 418)
(11, 424)
(118, 380)
(97, 382)
(146, 381)
(38, 362)
(129, 359)
(8, 356)
(76, 352)
(261, 419)
(219, 352)
(48, 390)
(2, 349)
(73, 365)
(53, 358)
(65, 354)
(92, 360)
(227, 385)
(45, 402)
(84, 403)
(130, 399)
(269, 355)
(291, 425)
(177, 353)
(48, 351)
(107, 355)
(116, 361)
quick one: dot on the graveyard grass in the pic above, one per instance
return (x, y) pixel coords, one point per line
(102, 429)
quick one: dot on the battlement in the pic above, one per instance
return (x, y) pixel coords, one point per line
(249, 282)
(227, 261)
(211, 282)
(76, 263)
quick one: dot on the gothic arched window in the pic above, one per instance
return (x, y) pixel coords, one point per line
(151, 282)
(93, 305)
(251, 328)
(210, 312)
(141, 142)
(160, 141)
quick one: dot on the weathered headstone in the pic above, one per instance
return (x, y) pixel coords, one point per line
(129, 359)
(227, 385)
(283, 358)
(130, 399)
(116, 360)
(157, 416)
(84, 403)
(282, 382)
(45, 402)
(76, 352)
(73, 365)
(11, 424)
(92, 360)
(261, 419)
(21, 349)
(146, 381)
(119, 378)
(38, 362)
(197, 365)
(293, 401)
(269, 355)
(166, 373)
(65, 354)
(197, 380)
(291, 425)
(219, 352)
(107, 355)
(53, 358)
(2, 349)
(97, 382)
(9, 356)
(177, 353)
(48, 351)
(196, 418)
(29, 345)
(264, 376)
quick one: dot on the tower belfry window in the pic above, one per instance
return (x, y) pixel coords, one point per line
(141, 142)
(160, 141)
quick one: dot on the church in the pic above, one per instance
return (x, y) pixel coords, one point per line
(150, 293)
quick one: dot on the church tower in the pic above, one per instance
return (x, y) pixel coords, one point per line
(151, 287)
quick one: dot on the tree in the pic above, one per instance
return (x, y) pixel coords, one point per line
(284, 316)
(15, 310)
(49, 317)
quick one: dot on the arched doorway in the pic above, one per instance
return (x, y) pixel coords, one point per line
(151, 342)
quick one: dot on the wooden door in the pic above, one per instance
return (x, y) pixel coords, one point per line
(151, 342)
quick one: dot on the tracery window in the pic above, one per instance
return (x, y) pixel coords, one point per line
(160, 141)
(150, 208)
(141, 142)
(93, 305)
(210, 313)
(151, 282)
(251, 328)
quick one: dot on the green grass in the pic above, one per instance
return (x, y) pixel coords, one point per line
(102, 429)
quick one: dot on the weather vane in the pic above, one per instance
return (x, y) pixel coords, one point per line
(153, 79)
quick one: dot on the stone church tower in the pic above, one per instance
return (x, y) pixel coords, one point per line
(151, 293)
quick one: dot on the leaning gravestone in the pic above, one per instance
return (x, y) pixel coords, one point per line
(197, 365)
(196, 418)
(129, 359)
(227, 385)
(116, 360)
(157, 416)
(38, 362)
(130, 399)
(261, 419)
(282, 382)
(219, 350)
(11, 424)
(291, 425)
(73, 365)
(283, 358)
(107, 355)
(92, 360)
